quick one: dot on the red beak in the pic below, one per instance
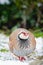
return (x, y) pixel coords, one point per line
(25, 34)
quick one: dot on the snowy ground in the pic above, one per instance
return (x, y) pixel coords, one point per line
(6, 57)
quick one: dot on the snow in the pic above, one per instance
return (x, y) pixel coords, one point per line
(7, 58)
(39, 46)
(12, 63)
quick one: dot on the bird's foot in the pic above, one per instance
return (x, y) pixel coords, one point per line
(21, 58)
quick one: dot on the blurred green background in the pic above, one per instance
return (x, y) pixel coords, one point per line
(21, 14)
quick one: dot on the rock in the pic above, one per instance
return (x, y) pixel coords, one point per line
(37, 62)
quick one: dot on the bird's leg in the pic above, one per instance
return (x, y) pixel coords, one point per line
(21, 58)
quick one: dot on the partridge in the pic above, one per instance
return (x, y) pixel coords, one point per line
(21, 43)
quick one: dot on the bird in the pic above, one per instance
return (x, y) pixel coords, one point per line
(21, 43)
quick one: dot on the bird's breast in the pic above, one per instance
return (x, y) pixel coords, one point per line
(22, 52)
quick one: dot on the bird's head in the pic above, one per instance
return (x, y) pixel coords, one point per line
(23, 36)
